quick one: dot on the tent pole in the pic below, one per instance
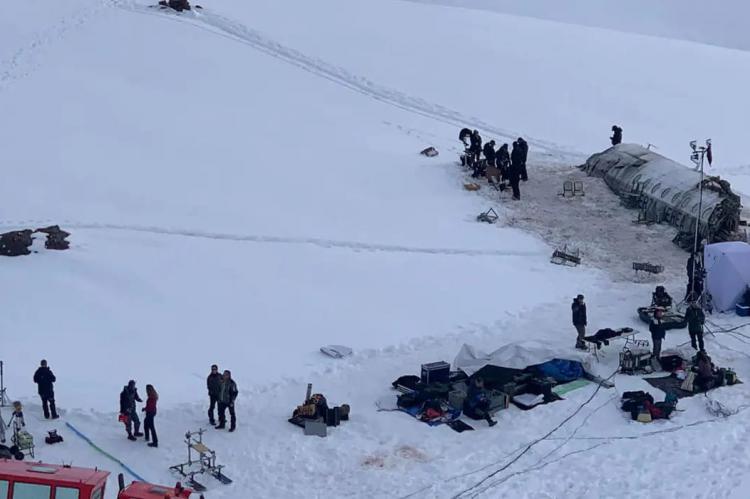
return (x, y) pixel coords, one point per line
(702, 154)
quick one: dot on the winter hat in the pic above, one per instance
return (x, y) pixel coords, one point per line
(579, 297)
(131, 383)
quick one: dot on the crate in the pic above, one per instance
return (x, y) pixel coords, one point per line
(436, 372)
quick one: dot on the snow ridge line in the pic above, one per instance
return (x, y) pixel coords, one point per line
(236, 31)
(320, 242)
(21, 63)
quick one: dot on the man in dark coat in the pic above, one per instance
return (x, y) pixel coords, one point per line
(213, 384)
(489, 152)
(580, 321)
(45, 379)
(476, 145)
(616, 137)
(502, 160)
(660, 298)
(695, 318)
(227, 395)
(658, 332)
(515, 170)
(523, 147)
(128, 398)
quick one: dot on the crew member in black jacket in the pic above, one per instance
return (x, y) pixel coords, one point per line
(45, 379)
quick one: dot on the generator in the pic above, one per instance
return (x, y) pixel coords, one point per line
(635, 359)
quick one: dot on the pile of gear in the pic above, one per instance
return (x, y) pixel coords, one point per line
(178, 5)
(18, 242)
(314, 416)
(642, 407)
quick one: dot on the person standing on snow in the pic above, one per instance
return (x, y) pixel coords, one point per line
(616, 137)
(489, 153)
(227, 395)
(695, 319)
(45, 379)
(658, 332)
(128, 398)
(213, 384)
(502, 160)
(523, 147)
(476, 146)
(150, 410)
(580, 321)
(515, 170)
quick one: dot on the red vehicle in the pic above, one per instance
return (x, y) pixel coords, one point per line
(26, 480)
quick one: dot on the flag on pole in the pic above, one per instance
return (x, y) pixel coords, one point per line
(709, 154)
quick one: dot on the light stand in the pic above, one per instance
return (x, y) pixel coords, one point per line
(4, 400)
(697, 157)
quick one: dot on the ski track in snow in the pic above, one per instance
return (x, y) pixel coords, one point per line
(23, 61)
(223, 26)
(320, 242)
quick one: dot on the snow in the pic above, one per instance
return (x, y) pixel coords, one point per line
(243, 186)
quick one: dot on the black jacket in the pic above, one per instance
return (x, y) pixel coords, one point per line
(663, 300)
(502, 156)
(476, 142)
(695, 318)
(128, 398)
(658, 331)
(524, 149)
(464, 134)
(44, 379)
(579, 313)
(489, 152)
(616, 136)
(516, 155)
(228, 391)
(213, 383)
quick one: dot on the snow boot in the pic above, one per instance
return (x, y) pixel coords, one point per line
(132, 438)
(232, 428)
(221, 426)
(138, 434)
(491, 423)
(153, 444)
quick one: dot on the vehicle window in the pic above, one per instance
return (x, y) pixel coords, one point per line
(66, 493)
(31, 491)
(97, 494)
(3, 489)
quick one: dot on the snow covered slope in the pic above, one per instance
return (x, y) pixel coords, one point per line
(243, 187)
(719, 23)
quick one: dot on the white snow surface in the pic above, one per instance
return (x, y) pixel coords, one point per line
(242, 187)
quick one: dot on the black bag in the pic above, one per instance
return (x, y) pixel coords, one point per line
(333, 417)
(632, 402)
(53, 437)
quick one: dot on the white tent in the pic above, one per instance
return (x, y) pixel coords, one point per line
(727, 273)
(518, 355)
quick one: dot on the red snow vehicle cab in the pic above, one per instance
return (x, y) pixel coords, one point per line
(25, 480)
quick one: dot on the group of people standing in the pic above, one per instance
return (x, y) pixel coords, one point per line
(222, 392)
(512, 165)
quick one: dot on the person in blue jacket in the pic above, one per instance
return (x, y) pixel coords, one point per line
(477, 404)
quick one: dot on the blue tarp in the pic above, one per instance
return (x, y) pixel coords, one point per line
(563, 371)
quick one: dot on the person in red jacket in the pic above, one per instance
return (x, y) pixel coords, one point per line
(150, 409)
